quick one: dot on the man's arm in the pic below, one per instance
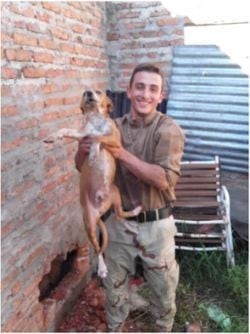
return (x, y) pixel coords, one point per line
(148, 173)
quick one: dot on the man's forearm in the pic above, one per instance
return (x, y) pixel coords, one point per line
(149, 173)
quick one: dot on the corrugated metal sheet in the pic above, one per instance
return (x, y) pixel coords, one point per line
(209, 99)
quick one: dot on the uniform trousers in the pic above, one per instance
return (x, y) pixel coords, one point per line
(154, 243)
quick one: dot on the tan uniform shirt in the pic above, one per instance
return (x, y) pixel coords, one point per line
(157, 140)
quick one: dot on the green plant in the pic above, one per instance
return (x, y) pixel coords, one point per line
(205, 278)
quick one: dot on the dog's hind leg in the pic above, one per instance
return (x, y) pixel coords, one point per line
(117, 203)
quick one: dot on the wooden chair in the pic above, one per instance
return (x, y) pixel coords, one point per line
(202, 210)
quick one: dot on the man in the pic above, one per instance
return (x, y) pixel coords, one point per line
(148, 167)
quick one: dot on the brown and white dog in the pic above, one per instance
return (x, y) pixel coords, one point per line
(97, 190)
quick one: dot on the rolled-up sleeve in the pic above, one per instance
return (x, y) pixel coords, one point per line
(168, 151)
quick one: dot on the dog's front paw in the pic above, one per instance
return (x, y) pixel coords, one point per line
(137, 210)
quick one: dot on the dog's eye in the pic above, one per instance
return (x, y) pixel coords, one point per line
(98, 92)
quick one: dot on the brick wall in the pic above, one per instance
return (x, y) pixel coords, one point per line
(139, 31)
(50, 52)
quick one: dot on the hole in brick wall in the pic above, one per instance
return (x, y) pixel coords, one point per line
(60, 267)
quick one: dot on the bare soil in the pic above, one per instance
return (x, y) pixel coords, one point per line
(88, 314)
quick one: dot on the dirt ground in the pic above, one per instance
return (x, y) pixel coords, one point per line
(88, 314)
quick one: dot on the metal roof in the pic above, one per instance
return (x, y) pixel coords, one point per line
(209, 99)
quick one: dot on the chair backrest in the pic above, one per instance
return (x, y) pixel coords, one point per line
(198, 188)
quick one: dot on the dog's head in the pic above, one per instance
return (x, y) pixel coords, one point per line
(96, 101)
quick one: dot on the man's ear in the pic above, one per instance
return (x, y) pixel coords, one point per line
(109, 105)
(162, 96)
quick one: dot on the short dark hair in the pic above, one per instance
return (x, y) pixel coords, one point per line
(146, 67)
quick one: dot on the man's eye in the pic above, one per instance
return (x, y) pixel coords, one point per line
(98, 92)
(154, 90)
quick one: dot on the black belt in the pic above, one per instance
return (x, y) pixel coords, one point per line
(152, 215)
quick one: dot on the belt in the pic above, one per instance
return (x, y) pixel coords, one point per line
(151, 215)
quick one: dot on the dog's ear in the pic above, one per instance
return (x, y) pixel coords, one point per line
(109, 105)
(81, 106)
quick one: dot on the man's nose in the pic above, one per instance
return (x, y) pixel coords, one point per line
(146, 93)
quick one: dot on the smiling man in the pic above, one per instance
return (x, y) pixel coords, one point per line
(148, 167)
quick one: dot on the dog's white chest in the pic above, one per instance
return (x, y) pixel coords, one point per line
(97, 125)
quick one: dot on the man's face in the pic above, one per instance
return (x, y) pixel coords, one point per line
(145, 93)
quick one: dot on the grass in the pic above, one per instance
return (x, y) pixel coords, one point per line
(205, 280)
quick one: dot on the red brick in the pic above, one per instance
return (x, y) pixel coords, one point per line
(71, 100)
(20, 24)
(25, 11)
(43, 57)
(167, 21)
(74, 73)
(51, 6)
(9, 111)
(77, 61)
(50, 116)
(67, 12)
(38, 252)
(78, 28)
(64, 178)
(37, 105)
(21, 187)
(161, 12)
(34, 27)
(27, 123)
(5, 37)
(113, 36)
(5, 90)
(9, 227)
(178, 41)
(10, 54)
(66, 47)
(42, 16)
(128, 14)
(24, 55)
(34, 72)
(18, 54)
(49, 88)
(10, 73)
(54, 102)
(135, 25)
(59, 33)
(11, 323)
(61, 59)
(69, 197)
(46, 214)
(49, 187)
(53, 73)
(46, 43)
(9, 278)
(24, 39)
(10, 145)
(16, 287)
